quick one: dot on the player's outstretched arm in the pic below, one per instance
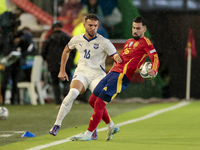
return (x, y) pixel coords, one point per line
(65, 55)
(117, 58)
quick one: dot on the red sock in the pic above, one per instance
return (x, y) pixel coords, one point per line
(99, 108)
(105, 117)
(92, 100)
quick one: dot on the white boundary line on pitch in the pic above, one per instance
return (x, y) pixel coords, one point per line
(155, 113)
(11, 133)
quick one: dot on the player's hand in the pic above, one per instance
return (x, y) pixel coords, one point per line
(63, 76)
(151, 73)
(117, 58)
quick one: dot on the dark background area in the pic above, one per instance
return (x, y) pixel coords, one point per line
(169, 31)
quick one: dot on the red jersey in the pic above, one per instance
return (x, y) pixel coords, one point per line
(134, 54)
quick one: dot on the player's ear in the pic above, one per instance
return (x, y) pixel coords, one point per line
(145, 28)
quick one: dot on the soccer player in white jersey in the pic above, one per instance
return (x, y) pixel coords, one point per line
(93, 49)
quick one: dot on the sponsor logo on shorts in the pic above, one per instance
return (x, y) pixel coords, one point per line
(105, 89)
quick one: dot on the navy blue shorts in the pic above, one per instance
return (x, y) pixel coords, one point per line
(111, 85)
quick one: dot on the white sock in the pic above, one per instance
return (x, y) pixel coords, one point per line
(66, 105)
(110, 125)
(88, 133)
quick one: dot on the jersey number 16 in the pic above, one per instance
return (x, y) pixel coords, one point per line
(87, 54)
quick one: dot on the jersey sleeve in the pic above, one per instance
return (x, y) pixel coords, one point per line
(110, 48)
(152, 53)
(71, 44)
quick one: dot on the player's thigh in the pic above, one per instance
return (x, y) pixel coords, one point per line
(77, 85)
(94, 83)
(115, 84)
(79, 82)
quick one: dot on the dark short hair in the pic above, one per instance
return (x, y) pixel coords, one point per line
(91, 17)
(140, 20)
(56, 24)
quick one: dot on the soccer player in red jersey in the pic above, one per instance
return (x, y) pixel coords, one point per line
(133, 55)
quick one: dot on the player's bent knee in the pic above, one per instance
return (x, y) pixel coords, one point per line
(99, 104)
(92, 100)
(71, 96)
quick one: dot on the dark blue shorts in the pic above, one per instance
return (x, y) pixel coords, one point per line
(111, 85)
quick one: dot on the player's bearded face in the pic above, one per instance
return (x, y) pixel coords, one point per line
(138, 30)
(91, 27)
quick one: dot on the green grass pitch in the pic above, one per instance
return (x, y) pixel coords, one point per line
(177, 129)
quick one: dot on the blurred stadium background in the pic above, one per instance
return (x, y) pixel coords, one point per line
(168, 24)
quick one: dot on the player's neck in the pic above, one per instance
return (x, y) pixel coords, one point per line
(89, 37)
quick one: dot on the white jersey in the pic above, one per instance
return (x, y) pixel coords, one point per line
(92, 52)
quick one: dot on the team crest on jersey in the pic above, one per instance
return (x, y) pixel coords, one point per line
(135, 44)
(96, 46)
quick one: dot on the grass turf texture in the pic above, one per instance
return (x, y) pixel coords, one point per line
(174, 130)
(39, 119)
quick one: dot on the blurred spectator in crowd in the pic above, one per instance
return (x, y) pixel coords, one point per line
(69, 13)
(27, 49)
(107, 6)
(113, 19)
(3, 6)
(79, 23)
(111, 14)
(72, 6)
(101, 30)
(8, 44)
(92, 7)
(6, 5)
(51, 52)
